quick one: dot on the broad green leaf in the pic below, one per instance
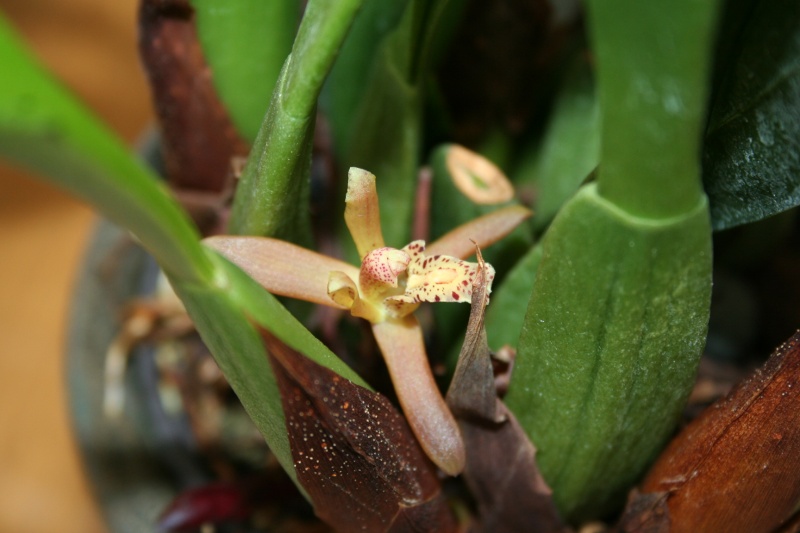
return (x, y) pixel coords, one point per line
(43, 127)
(610, 344)
(617, 319)
(224, 312)
(272, 196)
(751, 162)
(245, 43)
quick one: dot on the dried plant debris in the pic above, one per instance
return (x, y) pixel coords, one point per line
(354, 453)
(736, 468)
(199, 140)
(501, 466)
(645, 513)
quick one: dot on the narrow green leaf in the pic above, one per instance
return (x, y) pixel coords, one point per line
(386, 133)
(570, 150)
(43, 127)
(345, 89)
(273, 192)
(246, 42)
(751, 163)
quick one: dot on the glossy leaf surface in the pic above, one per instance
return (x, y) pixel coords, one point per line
(751, 163)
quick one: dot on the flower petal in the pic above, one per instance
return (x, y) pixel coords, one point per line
(342, 289)
(429, 417)
(442, 278)
(362, 212)
(283, 268)
(482, 231)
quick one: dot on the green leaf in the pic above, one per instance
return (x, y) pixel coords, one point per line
(245, 43)
(345, 87)
(570, 150)
(386, 136)
(610, 344)
(616, 322)
(751, 162)
(43, 127)
(273, 192)
(506, 315)
(224, 312)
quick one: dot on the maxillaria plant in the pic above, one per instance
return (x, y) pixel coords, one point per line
(632, 142)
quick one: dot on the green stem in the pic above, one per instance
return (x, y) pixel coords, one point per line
(273, 190)
(653, 60)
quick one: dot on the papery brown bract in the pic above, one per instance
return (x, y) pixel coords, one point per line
(645, 513)
(501, 469)
(354, 454)
(736, 468)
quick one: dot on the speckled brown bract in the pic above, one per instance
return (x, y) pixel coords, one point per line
(354, 454)
(734, 469)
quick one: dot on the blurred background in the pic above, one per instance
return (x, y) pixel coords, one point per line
(91, 46)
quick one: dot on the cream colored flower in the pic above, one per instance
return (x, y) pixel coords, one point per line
(388, 287)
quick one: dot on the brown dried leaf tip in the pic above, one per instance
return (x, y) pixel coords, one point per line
(736, 468)
(354, 453)
(501, 469)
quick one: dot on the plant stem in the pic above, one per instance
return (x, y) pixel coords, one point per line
(272, 194)
(652, 99)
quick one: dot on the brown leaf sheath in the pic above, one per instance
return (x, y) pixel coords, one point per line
(354, 453)
(198, 137)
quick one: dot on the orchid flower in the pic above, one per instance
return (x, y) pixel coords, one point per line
(386, 290)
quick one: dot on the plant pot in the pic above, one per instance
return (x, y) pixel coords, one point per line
(138, 461)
